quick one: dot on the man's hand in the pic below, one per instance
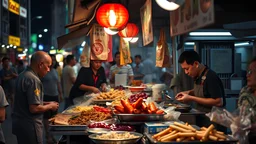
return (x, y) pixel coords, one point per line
(54, 106)
(183, 97)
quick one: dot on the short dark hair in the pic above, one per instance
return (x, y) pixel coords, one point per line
(138, 56)
(69, 58)
(190, 57)
(5, 58)
(117, 53)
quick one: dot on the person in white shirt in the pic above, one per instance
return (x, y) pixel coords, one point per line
(120, 69)
(68, 78)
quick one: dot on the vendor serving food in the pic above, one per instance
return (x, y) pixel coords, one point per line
(90, 79)
(208, 89)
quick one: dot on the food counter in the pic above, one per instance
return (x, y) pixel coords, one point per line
(126, 115)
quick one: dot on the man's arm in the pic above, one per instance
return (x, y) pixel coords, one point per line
(39, 108)
(207, 101)
(130, 80)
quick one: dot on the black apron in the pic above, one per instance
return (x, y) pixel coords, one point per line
(202, 120)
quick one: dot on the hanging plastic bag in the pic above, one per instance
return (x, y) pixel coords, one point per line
(239, 121)
(162, 51)
(99, 43)
(85, 56)
(125, 54)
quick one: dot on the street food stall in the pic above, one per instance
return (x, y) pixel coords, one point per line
(140, 113)
(133, 117)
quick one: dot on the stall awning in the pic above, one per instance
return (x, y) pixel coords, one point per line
(83, 15)
(73, 38)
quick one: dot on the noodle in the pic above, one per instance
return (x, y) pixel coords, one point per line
(86, 116)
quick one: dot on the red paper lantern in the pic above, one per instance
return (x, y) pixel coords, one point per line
(131, 30)
(113, 16)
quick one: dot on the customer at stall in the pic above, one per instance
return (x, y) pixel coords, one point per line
(8, 76)
(137, 68)
(3, 105)
(27, 117)
(52, 92)
(208, 88)
(120, 69)
(247, 97)
(149, 69)
(92, 80)
(68, 78)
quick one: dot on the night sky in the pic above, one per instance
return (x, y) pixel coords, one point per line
(43, 8)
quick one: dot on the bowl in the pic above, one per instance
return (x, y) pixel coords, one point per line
(116, 141)
(136, 88)
(97, 130)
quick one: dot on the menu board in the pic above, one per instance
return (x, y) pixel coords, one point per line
(146, 22)
(221, 60)
(192, 15)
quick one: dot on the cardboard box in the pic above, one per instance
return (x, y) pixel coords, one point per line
(156, 127)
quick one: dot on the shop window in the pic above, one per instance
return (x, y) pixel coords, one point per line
(5, 15)
(23, 33)
(5, 27)
(23, 22)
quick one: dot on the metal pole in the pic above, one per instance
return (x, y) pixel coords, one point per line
(175, 62)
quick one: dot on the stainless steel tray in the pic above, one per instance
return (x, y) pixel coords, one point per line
(67, 127)
(101, 102)
(116, 141)
(139, 117)
(153, 141)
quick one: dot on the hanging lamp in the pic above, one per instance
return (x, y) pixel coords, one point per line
(113, 16)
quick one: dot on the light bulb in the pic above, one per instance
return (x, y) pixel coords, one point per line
(112, 18)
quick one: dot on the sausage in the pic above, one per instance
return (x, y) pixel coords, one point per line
(179, 128)
(184, 126)
(119, 108)
(136, 111)
(152, 107)
(144, 106)
(207, 132)
(159, 112)
(138, 103)
(127, 106)
(161, 133)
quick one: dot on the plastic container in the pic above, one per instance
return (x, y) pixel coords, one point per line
(157, 92)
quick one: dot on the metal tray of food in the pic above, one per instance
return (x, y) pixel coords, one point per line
(67, 127)
(230, 140)
(116, 141)
(139, 117)
(96, 101)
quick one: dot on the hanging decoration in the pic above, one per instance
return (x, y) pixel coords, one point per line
(129, 33)
(113, 16)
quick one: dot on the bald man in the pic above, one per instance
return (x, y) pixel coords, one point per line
(27, 118)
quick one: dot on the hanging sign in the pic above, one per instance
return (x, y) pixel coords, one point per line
(192, 15)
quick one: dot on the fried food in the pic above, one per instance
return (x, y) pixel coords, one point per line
(86, 116)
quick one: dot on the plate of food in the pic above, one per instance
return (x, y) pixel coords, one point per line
(117, 137)
(137, 88)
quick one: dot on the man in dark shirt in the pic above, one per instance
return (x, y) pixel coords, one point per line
(208, 89)
(90, 79)
(8, 76)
